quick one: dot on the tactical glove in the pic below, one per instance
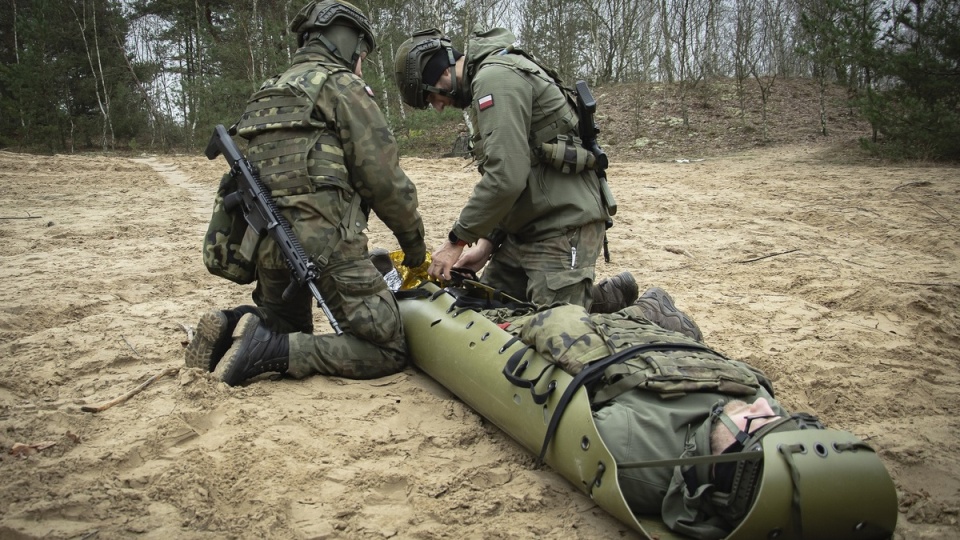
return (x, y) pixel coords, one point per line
(414, 248)
(414, 255)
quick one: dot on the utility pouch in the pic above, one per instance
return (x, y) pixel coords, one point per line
(229, 248)
(675, 373)
(567, 155)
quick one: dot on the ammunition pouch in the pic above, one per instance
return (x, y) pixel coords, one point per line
(229, 246)
(676, 367)
(567, 155)
(673, 374)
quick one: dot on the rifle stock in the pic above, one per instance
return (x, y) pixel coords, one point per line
(261, 213)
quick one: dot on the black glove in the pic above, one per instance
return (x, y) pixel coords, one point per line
(414, 255)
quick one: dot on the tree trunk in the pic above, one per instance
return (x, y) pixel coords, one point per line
(666, 62)
(99, 83)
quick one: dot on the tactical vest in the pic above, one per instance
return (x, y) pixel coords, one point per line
(294, 151)
(564, 336)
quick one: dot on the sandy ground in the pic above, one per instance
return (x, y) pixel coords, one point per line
(840, 279)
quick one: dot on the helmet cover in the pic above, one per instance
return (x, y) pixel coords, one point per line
(339, 25)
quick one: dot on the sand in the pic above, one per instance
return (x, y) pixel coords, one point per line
(837, 276)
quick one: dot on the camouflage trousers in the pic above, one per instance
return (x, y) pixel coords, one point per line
(372, 344)
(557, 269)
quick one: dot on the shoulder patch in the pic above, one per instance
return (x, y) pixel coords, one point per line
(485, 102)
(369, 90)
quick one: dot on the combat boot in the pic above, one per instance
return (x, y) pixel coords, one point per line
(659, 308)
(256, 349)
(213, 336)
(381, 259)
(614, 293)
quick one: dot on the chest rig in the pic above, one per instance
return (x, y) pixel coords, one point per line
(295, 151)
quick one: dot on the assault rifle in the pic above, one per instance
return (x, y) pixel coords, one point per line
(586, 107)
(261, 214)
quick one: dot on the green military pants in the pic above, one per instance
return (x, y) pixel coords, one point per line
(372, 344)
(557, 269)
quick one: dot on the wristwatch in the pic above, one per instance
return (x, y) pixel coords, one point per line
(452, 237)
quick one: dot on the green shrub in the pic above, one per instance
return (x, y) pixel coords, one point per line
(428, 133)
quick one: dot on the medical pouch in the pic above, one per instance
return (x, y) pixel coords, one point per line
(229, 249)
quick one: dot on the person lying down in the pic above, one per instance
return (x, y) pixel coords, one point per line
(658, 395)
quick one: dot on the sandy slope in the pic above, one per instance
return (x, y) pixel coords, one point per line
(840, 280)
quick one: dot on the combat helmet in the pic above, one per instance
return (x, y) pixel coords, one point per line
(342, 28)
(423, 48)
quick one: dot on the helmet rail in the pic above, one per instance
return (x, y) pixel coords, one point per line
(411, 61)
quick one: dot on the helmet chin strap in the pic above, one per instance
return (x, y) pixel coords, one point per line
(739, 435)
(339, 52)
(359, 49)
(453, 75)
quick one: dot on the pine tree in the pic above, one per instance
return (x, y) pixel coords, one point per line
(916, 109)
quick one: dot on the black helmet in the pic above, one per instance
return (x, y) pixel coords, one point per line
(339, 25)
(425, 51)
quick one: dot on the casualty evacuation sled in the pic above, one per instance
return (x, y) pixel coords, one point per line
(792, 478)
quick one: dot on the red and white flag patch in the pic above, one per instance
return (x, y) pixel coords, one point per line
(485, 102)
(369, 91)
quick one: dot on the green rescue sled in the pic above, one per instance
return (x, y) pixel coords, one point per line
(831, 486)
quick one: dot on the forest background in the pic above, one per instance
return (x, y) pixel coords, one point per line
(157, 75)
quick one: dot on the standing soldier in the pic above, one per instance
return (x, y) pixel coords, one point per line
(537, 213)
(325, 153)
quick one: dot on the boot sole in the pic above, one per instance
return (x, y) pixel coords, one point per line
(623, 283)
(226, 369)
(673, 318)
(209, 342)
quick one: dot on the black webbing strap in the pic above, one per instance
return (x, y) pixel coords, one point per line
(787, 451)
(514, 368)
(693, 460)
(594, 370)
(411, 294)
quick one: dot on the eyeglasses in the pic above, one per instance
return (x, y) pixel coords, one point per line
(751, 418)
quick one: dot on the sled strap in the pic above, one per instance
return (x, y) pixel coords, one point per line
(593, 371)
(513, 370)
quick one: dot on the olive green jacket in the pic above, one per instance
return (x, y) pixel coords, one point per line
(511, 98)
(663, 413)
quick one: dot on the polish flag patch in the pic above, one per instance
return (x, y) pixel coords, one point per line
(485, 102)
(369, 91)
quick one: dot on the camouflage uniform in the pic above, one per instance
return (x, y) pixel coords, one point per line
(551, 223)
(324, 150)
(654, 406)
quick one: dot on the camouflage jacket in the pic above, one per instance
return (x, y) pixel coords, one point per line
(317, 126)
(515, 107)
